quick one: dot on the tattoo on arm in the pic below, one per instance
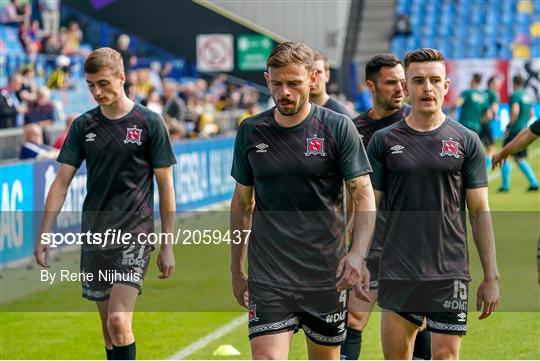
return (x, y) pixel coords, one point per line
(353, 185)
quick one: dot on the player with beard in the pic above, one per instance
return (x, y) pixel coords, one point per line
(384, 79)
(290, 163)
(430, 170)
(318, 93)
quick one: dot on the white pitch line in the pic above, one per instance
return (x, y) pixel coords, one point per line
(206, 340)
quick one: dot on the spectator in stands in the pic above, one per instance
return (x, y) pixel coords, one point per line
(251, 110)
(11, 109)
(403, 25)
(50, 14)
(29, 39)
(27, 93)
(144, 84)
(33, 147)
(153, 101)
(62, 137)
(60, 77)
(174, 106)
(73, 38)
(155, 75)
(42, 110)
(122, 46)
(52, 45)
(10, 14)
(177, 131)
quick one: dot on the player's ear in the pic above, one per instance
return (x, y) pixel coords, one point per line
(446, 86)
(406, 88)
(313, 77)
(267, 78)
(327, 75)
(371, 86)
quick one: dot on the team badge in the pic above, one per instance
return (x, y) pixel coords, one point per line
(253, 313)
(315, 146)
(450, 148)
(133, 135)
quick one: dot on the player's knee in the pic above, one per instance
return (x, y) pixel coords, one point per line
(357, 320)
(118, 323)
(259, 352)
(445, 353)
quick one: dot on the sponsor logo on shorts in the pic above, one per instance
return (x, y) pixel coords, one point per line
(462, 317)
(455, 305)
(336, 317)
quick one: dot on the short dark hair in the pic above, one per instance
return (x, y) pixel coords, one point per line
(376, 62)
(423, 55)
(492, 79)
(518, 80)
(290, 53)
(320, 56)
(477, 78)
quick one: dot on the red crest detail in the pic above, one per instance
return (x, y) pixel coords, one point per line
(253, 312)
(133, 135)
(315, 146)
(450, 148)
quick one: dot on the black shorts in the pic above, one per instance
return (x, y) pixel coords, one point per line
(126, 264)
(442, 303)
(372, 264)
(486, 134)
(508, 139)
(322, 314)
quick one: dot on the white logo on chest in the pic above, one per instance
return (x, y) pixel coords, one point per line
(397, 149)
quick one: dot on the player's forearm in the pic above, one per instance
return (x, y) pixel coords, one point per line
(167, 209)
(365, 215)
(240, 220)
(482, 229)
(53, 205)
(519, 143)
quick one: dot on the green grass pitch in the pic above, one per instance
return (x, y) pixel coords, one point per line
(198, 300)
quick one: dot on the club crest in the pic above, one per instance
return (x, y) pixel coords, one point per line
(450, 148)
(315, 146)
(253, 313)
(133, 135)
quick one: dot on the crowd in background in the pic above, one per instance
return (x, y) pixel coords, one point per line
(189, 106)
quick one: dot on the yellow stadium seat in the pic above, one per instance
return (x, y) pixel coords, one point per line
(522, 52)
(525, 6)
(535, 29)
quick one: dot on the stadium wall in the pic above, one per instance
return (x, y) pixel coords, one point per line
(201, 178)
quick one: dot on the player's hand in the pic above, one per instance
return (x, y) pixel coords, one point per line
(361, 289)
(349, 271)
(487, 298)
(166, 263)
(239, 285)
(497, 160)
(41, 253)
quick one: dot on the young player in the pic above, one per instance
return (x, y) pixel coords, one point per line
(293, 160)
(385, 78)
(124, 146)
(492, 104)
(429, 169)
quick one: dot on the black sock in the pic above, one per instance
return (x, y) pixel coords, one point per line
(109, 353)
(124, 352)
(422, 346)
(350, 349)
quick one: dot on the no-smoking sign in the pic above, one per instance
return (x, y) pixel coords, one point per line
(215, 52)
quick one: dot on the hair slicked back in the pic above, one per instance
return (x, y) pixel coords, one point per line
(423, 55)
(290, 53)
